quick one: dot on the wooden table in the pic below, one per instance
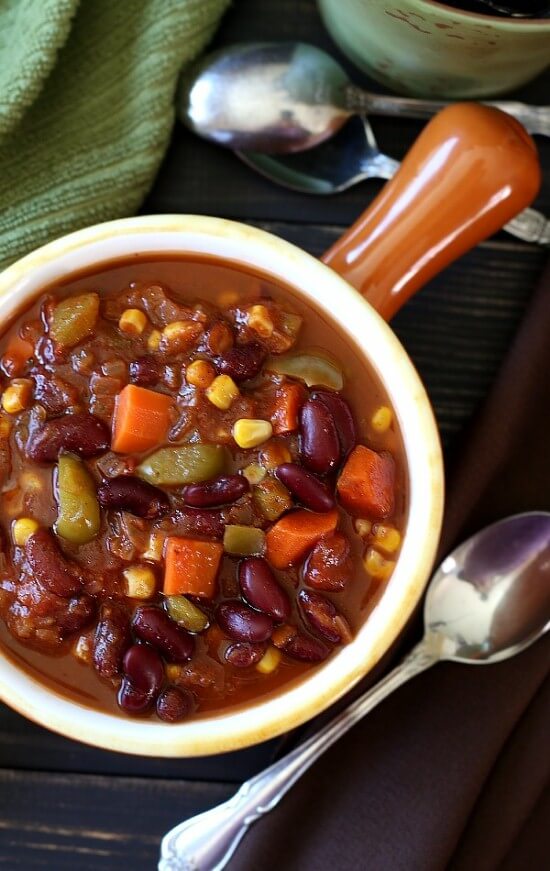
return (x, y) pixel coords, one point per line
(67, 806)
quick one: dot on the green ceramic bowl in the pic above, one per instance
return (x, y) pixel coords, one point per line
(428, 49)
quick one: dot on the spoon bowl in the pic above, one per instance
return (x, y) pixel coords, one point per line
(284, 97)
(491, 597)
(489, 600)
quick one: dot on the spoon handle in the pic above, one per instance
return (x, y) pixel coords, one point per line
(470, 171)
(206, 842)
(535, 119)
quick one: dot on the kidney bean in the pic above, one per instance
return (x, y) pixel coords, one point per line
(329, 566)
(306, 649)
(241, 623)
(324, 617)
(112, 638)
(175, 704)
(220, 491)
(146, 371)
(81, 434)
(261, 590)
(319, 445)
(242, 361)
(48, 565)
(128, 493)
(155, 626)
(243, 654)
(144, 669)
(311, 492)
(132, 700)
(342, 416)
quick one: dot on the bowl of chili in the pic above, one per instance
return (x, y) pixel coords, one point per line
(222, 479)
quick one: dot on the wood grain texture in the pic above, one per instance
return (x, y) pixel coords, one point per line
(91, 823)
(55, 811)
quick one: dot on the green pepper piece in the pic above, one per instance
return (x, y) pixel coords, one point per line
(186, 613)
(314, 369)
(188, 464)
(244, 540)
(78, 516)
(73, 319)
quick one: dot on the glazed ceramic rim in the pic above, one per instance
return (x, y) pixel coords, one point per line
(257, 249)
(506, 23)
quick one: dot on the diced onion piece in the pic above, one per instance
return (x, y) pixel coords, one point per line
(140, 582)
(315, 370)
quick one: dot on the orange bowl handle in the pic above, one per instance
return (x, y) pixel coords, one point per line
(469, 172)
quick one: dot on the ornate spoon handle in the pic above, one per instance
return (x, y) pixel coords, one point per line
(206, 842)
(535, 119)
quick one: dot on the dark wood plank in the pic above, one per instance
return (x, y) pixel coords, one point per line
(92, 823)
(26, 746)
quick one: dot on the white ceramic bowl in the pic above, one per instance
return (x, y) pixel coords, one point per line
(189, 234)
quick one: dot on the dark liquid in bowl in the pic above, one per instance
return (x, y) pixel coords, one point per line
(216, 684)
(503, 8)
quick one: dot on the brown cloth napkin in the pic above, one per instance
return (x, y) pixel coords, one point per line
(453, 770)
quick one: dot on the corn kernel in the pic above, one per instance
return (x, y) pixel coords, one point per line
(5, 427)
(222, 392)
(249, 433)
(132, 321)
(382, 419)
(260, 321)
(362, 527)
(200, 373)
(378, 566)
(227, 298)
(254, 474)
(387, 538)
(155, 547)
(22, 530)
(173, 672)
(180, 335)
(17, 396)
(269, 661)
(153, 340)
(83, 649)
(140, 582)
(274, 454)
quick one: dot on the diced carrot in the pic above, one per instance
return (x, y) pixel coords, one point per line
(366, 483)
(295, 534)
(191, 567)
(141, 419)
(289, 398)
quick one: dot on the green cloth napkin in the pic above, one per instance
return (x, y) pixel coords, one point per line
(86, 107)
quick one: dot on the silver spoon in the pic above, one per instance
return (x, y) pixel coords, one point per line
(352, 156)
(488, 600)
(290, 96)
